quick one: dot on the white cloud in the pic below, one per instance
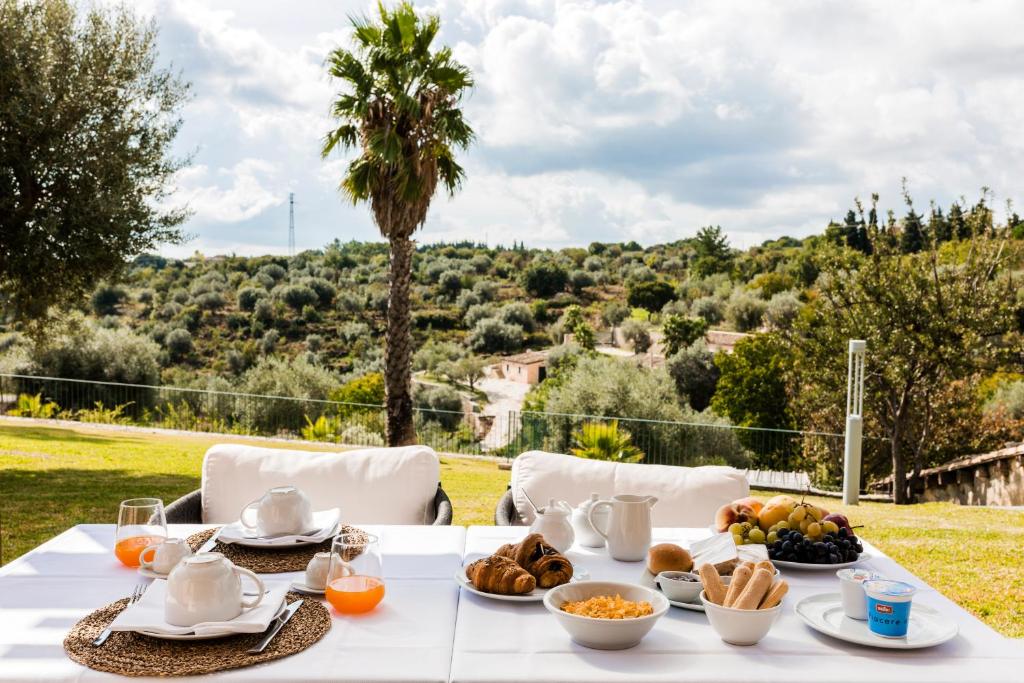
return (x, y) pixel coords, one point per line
(622, 119)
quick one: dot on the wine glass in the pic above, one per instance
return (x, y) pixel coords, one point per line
(140, 523)
(355, 580)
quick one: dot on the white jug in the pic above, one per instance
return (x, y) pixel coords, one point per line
(281, 510)
(628, 529)
(552, 521)
(207, 587)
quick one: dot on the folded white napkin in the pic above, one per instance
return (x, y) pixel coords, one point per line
(325, 525)
(148, 613)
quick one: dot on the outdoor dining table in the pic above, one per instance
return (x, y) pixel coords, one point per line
(426, 631)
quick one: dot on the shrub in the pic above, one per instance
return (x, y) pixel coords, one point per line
(439, 404)
(637, 334)
(517, 313)
(477, 313)
(782, 310)
(170, 310)
(314, 342)
(325, 291)
(365, 390)
(352, 331)
(745, 311)
(605, 441)
(593, 264)
(273, 271)
(1008, 399)
(695, 374)
(263, 311)
(295, 378)
(493, 336)
(145, 296)
(580, 279)
(269, 342)
(449, 283)
(178, 343)
(248, 296)
(481, 263)
(360, 435)
(544, 278)
(485, 289)
(651, 296)
(708, 307)
(467, 298)
(106, 298)
(179, 296)
(297, 296)
(210, 301)
(433, 354)
(771, 284)
(236, 361)
(310, 314)
(680, 332)
(435, 318)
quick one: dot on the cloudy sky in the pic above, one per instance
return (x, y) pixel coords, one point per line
(612, 120)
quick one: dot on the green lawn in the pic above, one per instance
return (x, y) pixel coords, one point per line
(53, 478)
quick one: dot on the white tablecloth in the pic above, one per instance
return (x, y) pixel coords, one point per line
(497, 642)
(408, 638)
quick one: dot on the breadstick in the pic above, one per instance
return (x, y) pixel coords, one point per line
(749, 565)
(766, 564)
(754, 592)
(740, 577)
(713, 586)
(775, 594)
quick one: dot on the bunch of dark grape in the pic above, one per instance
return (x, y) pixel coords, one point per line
(831, 548)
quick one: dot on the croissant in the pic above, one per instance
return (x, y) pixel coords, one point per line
(550, 567)
(500, 575)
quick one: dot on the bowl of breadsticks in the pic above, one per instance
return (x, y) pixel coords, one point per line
(744, 610)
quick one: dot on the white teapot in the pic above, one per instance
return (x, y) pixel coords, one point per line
(207, 587)
(586, 535)
(552, 521)
(281, 510)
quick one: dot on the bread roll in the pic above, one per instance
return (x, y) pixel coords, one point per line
(668, 557)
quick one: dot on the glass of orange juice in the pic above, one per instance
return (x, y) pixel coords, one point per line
(355, 580)
(140, 523)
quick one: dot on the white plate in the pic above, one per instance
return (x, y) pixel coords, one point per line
(288, 541)
(537, 595)
(824, 613)
(692, 606)
(807, 566)
(300, 587)
(205, 636)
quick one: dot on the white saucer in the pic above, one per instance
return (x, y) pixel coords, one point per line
(537, 595)
(205, 636)
(150, 574)
(808, 566)
(300, 587)
(824, 613)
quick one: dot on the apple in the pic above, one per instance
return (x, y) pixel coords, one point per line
(732, 513)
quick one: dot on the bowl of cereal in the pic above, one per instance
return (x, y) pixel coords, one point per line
(606, 615)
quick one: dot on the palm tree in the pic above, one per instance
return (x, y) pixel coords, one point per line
(605, 441)
(399, 109)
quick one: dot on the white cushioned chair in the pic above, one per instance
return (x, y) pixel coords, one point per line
(371, 486)
(687, 496)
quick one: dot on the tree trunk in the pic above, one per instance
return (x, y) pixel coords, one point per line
(899, 470)
(398, 347)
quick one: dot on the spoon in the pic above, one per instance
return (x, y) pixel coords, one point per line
(530, 501)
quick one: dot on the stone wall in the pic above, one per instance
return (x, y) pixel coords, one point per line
(995, 478)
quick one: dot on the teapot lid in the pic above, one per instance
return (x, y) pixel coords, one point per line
(587, 504)
(204, 558)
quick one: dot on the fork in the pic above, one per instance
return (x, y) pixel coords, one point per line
(136, 595)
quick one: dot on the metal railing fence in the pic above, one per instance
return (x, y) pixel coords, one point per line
(462, 432)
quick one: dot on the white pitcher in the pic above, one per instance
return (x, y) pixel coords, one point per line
(281, 510)
(628, 531)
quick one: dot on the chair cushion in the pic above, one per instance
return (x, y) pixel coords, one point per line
(687, 496)
(371, 486)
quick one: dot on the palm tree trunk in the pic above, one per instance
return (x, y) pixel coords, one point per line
(398, 347)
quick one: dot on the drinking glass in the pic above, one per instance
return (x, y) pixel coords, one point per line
(355, 580)
(140, 523)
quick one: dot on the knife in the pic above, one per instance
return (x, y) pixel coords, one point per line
(288, 613)
(208, 546)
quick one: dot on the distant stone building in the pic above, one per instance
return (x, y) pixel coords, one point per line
(995, 478)
(529, 367)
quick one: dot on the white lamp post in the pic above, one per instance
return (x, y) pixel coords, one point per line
(854, 421)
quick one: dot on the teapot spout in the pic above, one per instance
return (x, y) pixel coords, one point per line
(651, 500)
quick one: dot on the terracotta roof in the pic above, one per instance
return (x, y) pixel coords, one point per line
(526, 358)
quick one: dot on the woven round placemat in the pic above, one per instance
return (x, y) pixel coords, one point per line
(271, 560)
(133, 654)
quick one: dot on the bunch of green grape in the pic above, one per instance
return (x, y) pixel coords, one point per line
(807, 519)
(745, 533)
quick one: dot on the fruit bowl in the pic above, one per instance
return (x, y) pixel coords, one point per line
(605, 634)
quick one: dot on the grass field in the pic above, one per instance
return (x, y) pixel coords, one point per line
(53, 478)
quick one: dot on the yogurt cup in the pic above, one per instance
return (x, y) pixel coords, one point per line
(888, 604)
(851, 583)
